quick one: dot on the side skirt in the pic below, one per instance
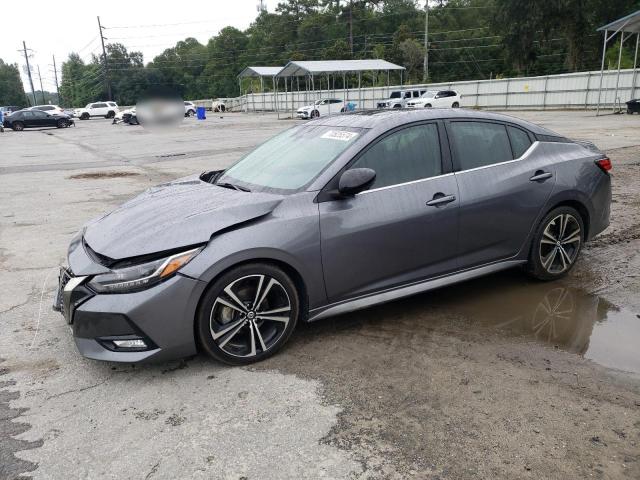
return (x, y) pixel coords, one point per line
(408, 290)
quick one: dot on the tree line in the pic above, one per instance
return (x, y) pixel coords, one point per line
(468, 39)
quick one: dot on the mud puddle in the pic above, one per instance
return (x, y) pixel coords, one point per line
(510, 304)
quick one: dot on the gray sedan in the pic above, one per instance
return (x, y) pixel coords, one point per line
(325, 218)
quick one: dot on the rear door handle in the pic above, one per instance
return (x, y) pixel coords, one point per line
(440, 199)
(540, 176)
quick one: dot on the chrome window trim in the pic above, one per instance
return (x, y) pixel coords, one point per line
(405, 183)
(522, 157)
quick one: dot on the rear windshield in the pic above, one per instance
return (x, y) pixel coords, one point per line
(292, 159)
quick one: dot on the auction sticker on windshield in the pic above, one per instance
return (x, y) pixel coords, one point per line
(339, 135)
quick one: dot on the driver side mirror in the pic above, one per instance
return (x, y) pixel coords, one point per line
(355, 181)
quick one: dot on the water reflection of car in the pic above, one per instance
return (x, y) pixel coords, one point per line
(22, 119)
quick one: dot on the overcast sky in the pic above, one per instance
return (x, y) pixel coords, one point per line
(60, 28)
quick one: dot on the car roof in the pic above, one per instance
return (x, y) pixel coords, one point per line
(388, 119)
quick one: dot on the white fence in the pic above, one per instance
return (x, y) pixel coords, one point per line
(566, 91)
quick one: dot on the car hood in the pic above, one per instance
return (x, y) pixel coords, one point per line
(178, 214)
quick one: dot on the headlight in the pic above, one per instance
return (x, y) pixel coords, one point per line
(139, 277)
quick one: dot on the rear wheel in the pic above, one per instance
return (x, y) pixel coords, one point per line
(248, 314)
(111, 114)
(315, 114)
(556, 244)
(18, 126)
(191, 113)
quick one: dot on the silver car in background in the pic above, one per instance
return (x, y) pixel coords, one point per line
(328, 217)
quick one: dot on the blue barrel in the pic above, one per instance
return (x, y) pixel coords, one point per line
(200, 113)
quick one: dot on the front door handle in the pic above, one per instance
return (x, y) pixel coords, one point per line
(440, 199)
(540, 176)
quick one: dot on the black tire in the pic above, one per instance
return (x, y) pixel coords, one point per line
(217, 314)
(17, 126)
(62, 123)
(315, 114)
(84, 116)
(111, 114)
(543, 263)
(455, 105)
(397, 106)
(191, 113)
(427, 105)
(222, 108)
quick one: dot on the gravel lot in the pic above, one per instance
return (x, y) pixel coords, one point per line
(465, 382)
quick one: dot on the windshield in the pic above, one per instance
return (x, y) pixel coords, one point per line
(290, 160)
(429, 94)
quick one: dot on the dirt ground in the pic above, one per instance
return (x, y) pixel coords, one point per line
(500, 377)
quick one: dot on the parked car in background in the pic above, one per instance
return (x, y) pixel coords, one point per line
(54, 110)
(399, 98)
(326, 106)
(97, 109)
(328, 217)
(9, 109)
(218, 106)
(436, 99)
(189, 109)
(633, 106)
(22, 119)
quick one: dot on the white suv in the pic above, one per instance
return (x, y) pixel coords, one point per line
(98, 109)
(54, 110)
(399, 98)
(437, 99)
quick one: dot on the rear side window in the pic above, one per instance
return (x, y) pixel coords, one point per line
(478, 144)
(409, 154)
(416, 94)
(520, 141)
(99, 105)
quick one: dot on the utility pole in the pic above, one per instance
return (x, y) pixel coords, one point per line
(26, 58)
(106, 63)
(55, 73)
(41, 89)
(351, 27)
(425, 70)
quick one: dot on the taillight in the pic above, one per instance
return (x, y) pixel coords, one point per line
(604, 164)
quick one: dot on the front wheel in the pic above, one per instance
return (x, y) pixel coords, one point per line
(427, 105)
(556, 244)
(62, 124)
(18, 126)
(191, 113)
(455, 105)
(315, 114)
(84, 116)
(248, 314)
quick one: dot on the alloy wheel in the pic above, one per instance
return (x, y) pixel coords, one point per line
(250, 315)
(560, 243)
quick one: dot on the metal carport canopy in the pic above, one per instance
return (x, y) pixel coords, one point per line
(629, 24)
(260, 72)
(315, 67)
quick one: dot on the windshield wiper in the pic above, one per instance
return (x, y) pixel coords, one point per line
(232, 186)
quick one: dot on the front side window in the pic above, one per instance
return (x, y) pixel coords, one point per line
(290, 160)
(478, 144)
(409, 154)
(520, 141)
(396, 95)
